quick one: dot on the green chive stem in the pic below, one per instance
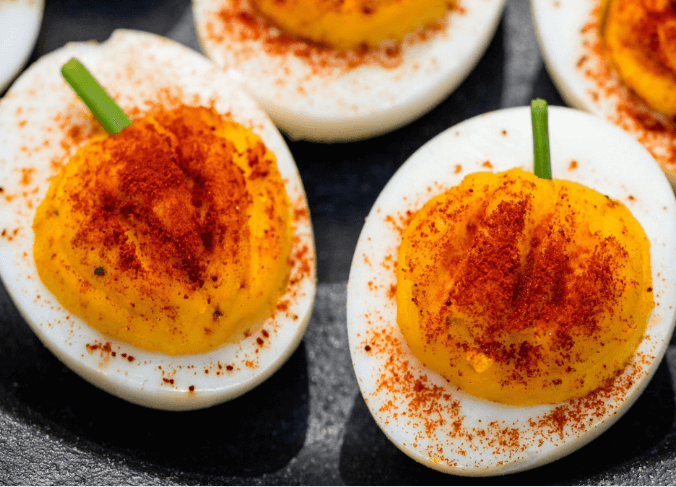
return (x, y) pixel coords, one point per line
(104, 108)
(538, 110)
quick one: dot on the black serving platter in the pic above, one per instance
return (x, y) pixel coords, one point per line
(308, 424)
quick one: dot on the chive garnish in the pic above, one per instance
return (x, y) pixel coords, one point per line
(538, 110)
(104, 108)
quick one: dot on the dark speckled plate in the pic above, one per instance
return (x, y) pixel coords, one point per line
(307, 424)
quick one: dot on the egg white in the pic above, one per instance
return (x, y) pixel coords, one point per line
(609, 161)
(20, 22)
(137, 69)
(565, 30)
(336, 105)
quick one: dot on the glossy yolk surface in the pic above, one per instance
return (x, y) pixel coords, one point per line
(173, 235)
(640, 38)
(347, 24)
(522, 290)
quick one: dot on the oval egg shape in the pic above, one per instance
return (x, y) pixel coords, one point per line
(573, 53)
(42, 124)
(425, 416)
(322, 94)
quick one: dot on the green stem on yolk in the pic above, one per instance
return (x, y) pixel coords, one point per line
(104, 108)
(538, 110)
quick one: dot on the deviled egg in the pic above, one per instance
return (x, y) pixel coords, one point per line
(611, 58)
(440, 424)
(314, 90)
(149, 358)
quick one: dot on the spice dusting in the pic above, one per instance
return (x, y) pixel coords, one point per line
(524, 291)
(656, 131)
(442, 422)
(239, 22)
(144, 81)
(166, 210)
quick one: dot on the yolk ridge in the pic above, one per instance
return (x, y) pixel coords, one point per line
(188, 217)
(639, 37)
(349, 24)
(524, 291)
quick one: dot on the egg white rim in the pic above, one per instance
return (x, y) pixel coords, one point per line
(37, 97)
(20, 22)
(597, 145)
(365, 101)
(560, 30)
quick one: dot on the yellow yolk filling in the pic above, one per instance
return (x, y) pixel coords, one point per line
(173, 235)
(640, 38)
(347, 24)
(522, 290)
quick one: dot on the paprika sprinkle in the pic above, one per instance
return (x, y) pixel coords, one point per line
(153, 217)
(341, 71)
(639, 37)
(183, 219)
(354, 23)
(616, 59)
(524, 291)
(511, 282)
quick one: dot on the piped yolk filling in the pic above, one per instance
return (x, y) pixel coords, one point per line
(348, 24)
(522, 290)
(173, 235)
(640, 39)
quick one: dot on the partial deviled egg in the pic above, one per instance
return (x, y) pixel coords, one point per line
(593, 52)
(421, 412)
(20, 22)
(43, 124)
(317, 92)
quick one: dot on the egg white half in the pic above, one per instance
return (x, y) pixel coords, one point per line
(365, 101)
(20, 22)
(567, 32)
(431, 420)
(139, 70)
